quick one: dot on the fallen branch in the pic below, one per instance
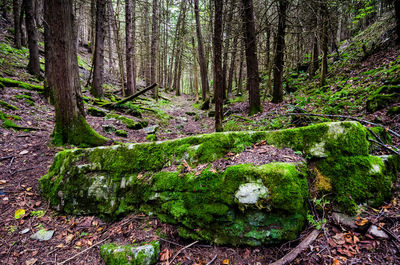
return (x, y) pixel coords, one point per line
(243, 118)
(384, 146)
(122, 101)
(5, 158)
(182, 249)
(22, 170)
(83, 251)
(288, 258)
(345, 117)
(211, 261)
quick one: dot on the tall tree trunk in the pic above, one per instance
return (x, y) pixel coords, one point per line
(17, 26)
(147, 43)
(98, 61)
(154, 46)
(134, 44)
(202, 59)
(397, 14)
(4, 9)
(218, 75)
(277, 94)
(314, 58)
(228, 31)
(34, 62)
(253, 80)
(239, 89)
(129, 50)
(71, 126)
(21, 24)
(48, 87)
(324, 42)
(232, 67)
(195, 71)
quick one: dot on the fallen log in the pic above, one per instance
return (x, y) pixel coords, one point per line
(122, 101)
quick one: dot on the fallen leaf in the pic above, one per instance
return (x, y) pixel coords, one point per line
(24, 152)
(38, 203)
(339, 239)
(226, 262)
(28, 189)
(361, 221)
(165, 254)
(336, 261)
(31, 261)
(60, 245)
(2, 181)
(78, 244)
(69, 238)
(19, 214)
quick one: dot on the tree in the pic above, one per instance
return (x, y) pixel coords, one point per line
(253, 80)
(154, 46)
(17, 25)
(70, 124)
(324, 41)
(130, 82)
(34, 62)
(218, 75)
(98, 62)
(397, 14)
(202, 59)
(277, 93)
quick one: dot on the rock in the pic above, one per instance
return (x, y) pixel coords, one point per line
(129, 123)
(151, 129)
(108, 128)
(345, 220)
(42, 235)
(121, 133)
(26, 230)
(241, 205)
(130, 254)
(375, 232)
(96, 112)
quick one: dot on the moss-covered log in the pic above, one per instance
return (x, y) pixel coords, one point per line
(15, 83)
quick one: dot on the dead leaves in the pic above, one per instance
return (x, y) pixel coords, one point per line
(345, 244)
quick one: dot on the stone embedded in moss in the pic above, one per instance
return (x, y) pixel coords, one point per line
(96, 112)
(129, 123)
(114, 254)
(357, 180)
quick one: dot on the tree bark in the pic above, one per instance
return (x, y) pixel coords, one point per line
(397, 14)
(253, 80)
(202, 59)
(129, 48)
(34, 62)
(232, 67)
(71, 126)
(219, 86)
(98, 61)
(17, 26)
(228, 32)
(324, 42)
(314, 58)
(154, 46)
(277, 93)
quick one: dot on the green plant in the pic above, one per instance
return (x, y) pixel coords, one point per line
(39, 213)
(314, 220)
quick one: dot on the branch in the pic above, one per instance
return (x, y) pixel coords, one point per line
(288, 258)
(83, 251)
(122, 101)
(182, 249)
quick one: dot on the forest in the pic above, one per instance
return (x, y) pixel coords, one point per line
(199, 132)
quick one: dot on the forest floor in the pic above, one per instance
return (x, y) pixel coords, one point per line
(25, 156)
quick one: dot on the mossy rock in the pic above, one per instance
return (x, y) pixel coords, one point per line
(393, 111)
(121, 133)
(379, 101)
(114, 254)
(207, 205)
(129, 123)
(7, 121)
(96, 112)
(351, 181)
(15, 83)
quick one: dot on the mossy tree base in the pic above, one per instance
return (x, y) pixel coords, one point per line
(78, 133)
(243, 204)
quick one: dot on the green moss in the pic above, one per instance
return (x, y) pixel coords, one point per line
(379, 101)
(114, 254)
(8, 106)
(393, 111)
(357, 180)
(78, 132)
(14, 83)
(96, 112)
(7, 121)
(121, 133)
(151, 137)
(129, 123)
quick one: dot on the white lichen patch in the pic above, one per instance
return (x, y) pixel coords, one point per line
(335, 129)
(250, 193)
(123, 183)
(146, 252)
(318, 150)
(98, 188)
(375, 169)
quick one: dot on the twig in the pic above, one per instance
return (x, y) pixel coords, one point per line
(5, 158)
(11, 162)
(83, 251)
(173, 243)
(297, 250)
(25, 169)
(182, 249)
(345, 117)
(211, 261)
(384, 146)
